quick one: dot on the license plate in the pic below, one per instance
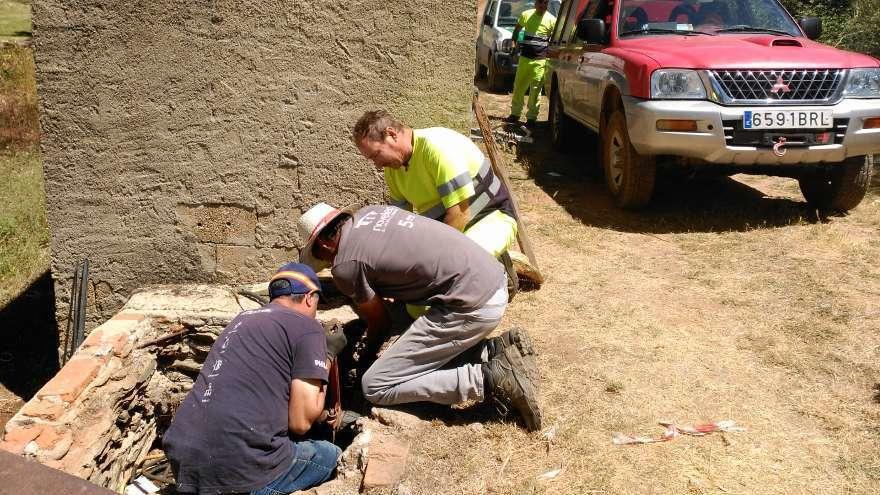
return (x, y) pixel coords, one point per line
(787, 119)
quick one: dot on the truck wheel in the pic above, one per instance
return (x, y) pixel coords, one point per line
(494, 79)
(842, 188)
(629, 175)
(562, 127)
(479, 72)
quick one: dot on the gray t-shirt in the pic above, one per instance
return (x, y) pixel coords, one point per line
(393, 253)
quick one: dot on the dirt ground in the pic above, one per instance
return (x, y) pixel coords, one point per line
(726, 299)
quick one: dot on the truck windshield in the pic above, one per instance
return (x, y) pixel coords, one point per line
(646, 17)
(510, 10)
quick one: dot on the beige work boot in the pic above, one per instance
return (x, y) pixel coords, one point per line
(506, 383)
(518, 338)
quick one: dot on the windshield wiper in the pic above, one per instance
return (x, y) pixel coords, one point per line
(742, 28)
(683, 32)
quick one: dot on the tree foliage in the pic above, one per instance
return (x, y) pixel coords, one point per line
(850, 24)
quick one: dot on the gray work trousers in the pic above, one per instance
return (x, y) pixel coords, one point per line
(415, 368)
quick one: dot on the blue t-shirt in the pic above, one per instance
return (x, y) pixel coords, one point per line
(231, 434)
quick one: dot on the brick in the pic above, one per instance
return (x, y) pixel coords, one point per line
(72, 379)
(17, 437)
(94, 338)
(119, 343)
(48, 437)
(128, 316)
(43, 409)
(386, 462)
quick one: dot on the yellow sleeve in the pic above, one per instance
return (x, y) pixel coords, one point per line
(452, 176)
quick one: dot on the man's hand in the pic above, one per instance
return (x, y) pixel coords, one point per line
(336, 342)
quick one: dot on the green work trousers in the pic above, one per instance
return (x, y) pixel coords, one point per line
(529, 75)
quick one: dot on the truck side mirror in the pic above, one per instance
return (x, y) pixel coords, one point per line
(591, 31)
(487, 20)
(812, 27)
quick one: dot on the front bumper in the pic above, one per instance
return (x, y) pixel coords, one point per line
(715, 140)
(506, 63)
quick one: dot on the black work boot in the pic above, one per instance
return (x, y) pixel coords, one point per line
(506, 383)
(518, 338)
(512, 277)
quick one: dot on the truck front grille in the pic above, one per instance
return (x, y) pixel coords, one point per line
(735, 135)
(770, 87)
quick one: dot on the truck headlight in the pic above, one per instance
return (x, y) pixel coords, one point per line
(863, 83)
(677, 84)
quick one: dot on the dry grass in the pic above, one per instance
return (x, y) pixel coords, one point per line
(19, 114)
(736, 306)
(24, 235)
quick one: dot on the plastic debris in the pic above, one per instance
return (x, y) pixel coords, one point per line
(141, 486)
(674, 431)
(549, 475)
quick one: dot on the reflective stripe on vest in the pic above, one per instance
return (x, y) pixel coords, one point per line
(402, 204)
(486, 186)
(534, 46)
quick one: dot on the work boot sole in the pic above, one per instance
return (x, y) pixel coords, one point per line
(512, 387)
(519, 338)
(528, 410)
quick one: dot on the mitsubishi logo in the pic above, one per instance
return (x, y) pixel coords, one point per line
(780, 87)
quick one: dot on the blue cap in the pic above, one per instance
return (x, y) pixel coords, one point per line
(293, 278)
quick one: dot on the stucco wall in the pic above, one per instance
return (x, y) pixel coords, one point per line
(181, 140)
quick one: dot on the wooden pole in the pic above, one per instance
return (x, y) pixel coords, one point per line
(496, 160)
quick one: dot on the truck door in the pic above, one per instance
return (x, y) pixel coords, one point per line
(590, 67)
(565, 55)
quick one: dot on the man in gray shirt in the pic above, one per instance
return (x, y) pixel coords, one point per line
(381, 252)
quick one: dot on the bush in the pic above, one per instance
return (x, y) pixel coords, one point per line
(849, 24)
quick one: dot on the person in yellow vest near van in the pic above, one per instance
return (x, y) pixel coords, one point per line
(536, 25)
(441, 174)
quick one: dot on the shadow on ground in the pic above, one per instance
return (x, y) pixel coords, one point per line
(29, 339)
(680, 204)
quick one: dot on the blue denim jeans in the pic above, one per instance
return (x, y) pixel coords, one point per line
(313, 463)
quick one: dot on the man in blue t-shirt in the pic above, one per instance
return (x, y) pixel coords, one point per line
(264, 380)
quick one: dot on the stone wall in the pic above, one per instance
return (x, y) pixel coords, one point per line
(182, 140)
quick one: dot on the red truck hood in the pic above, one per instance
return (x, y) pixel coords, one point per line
(747, 51)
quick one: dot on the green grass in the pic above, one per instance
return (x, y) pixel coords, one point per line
(24, 235)
(15, 20)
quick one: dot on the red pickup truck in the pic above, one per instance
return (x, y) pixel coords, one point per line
(725, 86)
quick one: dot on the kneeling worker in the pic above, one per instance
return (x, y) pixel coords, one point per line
(264, 379)
(441, 174)
(384, 252)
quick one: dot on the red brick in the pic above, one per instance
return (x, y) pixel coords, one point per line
(48, 438)
(24, 433)
(128, 316)
(119, 342)
(72, 379)
(17, 437)
(386, 462)
(16, 448)
(94, 338)
(43, 409)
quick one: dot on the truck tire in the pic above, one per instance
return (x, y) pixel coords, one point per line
(629, 175)
(842, 188)
(562, 127)
(495, 80)
(479, 72)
